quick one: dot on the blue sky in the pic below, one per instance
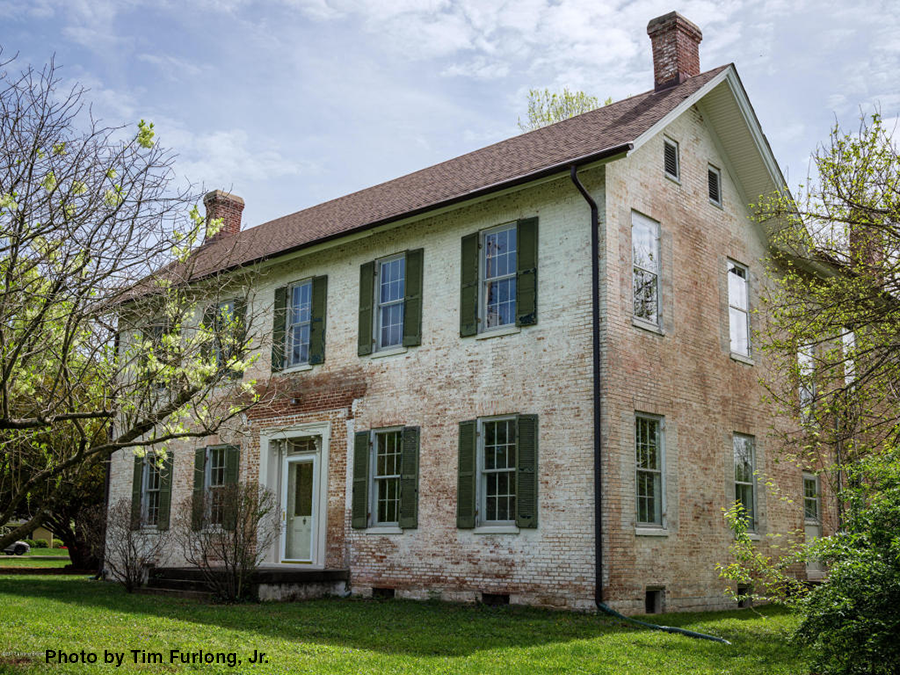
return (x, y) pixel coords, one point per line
(289, 103)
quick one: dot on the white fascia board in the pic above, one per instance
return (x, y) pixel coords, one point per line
(730, 76)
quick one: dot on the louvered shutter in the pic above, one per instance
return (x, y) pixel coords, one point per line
(412, 302)
(526, 470)
(465, 487)
(365, 339)
(409, 479)
(468, 289)
(526, 274)
(232, 469)
(209, 323)
(317, 323)
(137, 489)
(165, 493)
(359, 503)
(239, 331)
(199, 484)
(279, 323)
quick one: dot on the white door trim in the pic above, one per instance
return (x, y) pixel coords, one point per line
(311, 457)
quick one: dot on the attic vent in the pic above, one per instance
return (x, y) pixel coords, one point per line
(670, 152)
(715, 186)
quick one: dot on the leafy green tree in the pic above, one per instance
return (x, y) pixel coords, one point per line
(546, 107)
(104, 340)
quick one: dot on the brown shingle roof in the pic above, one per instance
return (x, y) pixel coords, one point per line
(606, 128)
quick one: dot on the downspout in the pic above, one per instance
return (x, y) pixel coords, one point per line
(598, 446)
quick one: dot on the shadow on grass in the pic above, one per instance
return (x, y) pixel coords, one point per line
(403, 626)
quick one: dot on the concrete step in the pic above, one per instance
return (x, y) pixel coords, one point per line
(176, 593)
(177, 584)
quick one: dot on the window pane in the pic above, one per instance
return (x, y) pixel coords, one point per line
(500, 301)
(737, 287)
(392, 325)
(740, 342)
(498, 467)
(646, 302)
(645, 244)
(743, 459)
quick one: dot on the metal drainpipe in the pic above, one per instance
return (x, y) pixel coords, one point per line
(598, 469)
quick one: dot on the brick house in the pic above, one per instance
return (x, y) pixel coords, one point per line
(528, 371)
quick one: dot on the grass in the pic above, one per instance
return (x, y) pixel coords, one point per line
(27, 561)
(364, 636)
(48, 551)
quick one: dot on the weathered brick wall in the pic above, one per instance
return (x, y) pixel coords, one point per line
(685, 374)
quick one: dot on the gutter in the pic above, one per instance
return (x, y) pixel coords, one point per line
(598, 440)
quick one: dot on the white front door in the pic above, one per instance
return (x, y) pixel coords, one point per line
(299, 512)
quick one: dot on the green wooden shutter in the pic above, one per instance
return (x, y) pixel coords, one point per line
(165, 493)
(526, 470)
(279, 320)
(409, 479)
(199, 484)
(412, 303)
(526, 274)
(468, 286)
(137, 490)
(317, 323)
(365, 339)
(232, 469)
(465, 487)
(238, 337)
(209, 323)
(359, 518)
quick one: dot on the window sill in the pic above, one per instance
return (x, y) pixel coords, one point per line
(496, 529)
(718, 205)
(641, 531)
(754, 536)
(647, 326)
(303, 367)
(384, 529)
(740, 358)
(672, 178)
(498, 332)
(393, 351)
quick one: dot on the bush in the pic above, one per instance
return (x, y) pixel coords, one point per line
(31, 542)
(58, 544)
(41, 543)
(851, 621)
(129, 552)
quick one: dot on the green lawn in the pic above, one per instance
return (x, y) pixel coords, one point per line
(48, 551)
(360, 636)
(28, 561)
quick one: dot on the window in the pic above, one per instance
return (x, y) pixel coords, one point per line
(151, 491)
(807, 381)
(386, 477)
(648, 445)
(299, 320)
(811, 498)
(498, 477)
(154, 334)
(498, 275)
(744, 478)
(848, 340)
(497, 466)
(739, 308)
(671, 160)
(715, 185)
(498, 281)
(298, 324)
(225, 319)
(645, 256)
(152, 485)
(390, 294)
(215, 486)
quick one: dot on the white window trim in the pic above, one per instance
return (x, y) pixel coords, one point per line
(716, 170)
(482, 296)
(217, 344)
(818, 499)
(482, 525)
(848, 346)
(386, 527)
(288, 341)
(806, 371)
(644, 323)
(677, 177)
(376, 324)
(735, 264)
(663, 524)
(753, 525)
(145, 492)
(207, 481)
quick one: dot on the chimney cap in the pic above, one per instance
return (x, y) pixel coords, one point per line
(221, 195)
(673, 18)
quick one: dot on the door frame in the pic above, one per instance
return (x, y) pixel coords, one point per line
(272, 475)
(312, 458)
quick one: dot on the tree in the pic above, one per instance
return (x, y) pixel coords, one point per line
(831, 330)
(107, 341)
(546, 107)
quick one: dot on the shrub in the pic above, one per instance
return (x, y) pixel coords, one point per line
(41, 543)
(58, 544)
(129, 552)
(31, 542)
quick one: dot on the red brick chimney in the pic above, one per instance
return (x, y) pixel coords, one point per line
(676, 49)
(228, 207)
